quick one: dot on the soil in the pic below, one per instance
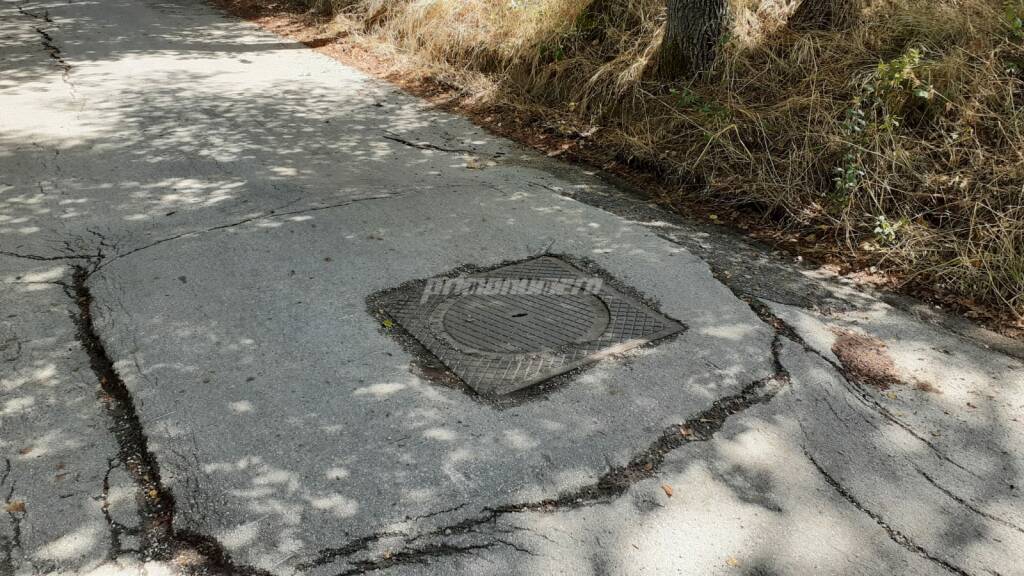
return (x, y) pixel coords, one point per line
(866, 359)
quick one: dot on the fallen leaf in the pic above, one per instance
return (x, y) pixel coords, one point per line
(153, 494)
(667, 489)
(188, 558)
(561, 149)
(686, 431)
(732, 562)
(15, 506)
(388, 324)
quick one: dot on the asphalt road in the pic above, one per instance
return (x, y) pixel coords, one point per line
(195, 216)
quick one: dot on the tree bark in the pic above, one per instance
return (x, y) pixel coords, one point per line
(693, 31)
(825, 14)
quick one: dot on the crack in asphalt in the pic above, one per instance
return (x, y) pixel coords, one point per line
(275, 213)
(365, 543)
(156, 505)
(115, 528)
(610, 485)
(54, 51)
(437, 513)
(329, 555)
(895, 535)
(418, 556)
(613, 483)
(9, 545)
(756, 302)
(867, 400)
(700, 428)
(963, 502)
(388, 135)
(865, 397)
(39, 258)
(47, 41)
(44, 17)
(859, 391)
(154, 502)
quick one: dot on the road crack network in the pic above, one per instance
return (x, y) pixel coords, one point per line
(159, 539)
(471, 535)
(425, 145)
(9, 545)
(616, 481)
(275, 213)
(155, 502)
(156, 506)
(46, 39)
(894, 534)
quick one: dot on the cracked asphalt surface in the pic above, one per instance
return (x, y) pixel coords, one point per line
(193, 214)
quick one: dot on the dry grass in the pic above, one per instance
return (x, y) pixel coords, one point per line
(898, 141)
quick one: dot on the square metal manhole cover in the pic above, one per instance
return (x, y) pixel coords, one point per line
(512, 327)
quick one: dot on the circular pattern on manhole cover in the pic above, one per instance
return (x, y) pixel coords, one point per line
(521, 324)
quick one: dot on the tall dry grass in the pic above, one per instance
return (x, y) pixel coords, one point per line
(900, 139)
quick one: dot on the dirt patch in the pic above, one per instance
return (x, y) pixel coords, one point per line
(866, 359)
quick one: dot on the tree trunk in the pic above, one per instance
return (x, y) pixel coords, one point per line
(825, 14)
(692, 33)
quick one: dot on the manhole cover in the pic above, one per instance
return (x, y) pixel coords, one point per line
(518, 325)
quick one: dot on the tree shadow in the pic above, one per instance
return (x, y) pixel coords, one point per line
(239, 200)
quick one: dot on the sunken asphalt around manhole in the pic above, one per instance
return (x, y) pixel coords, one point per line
(515, 326)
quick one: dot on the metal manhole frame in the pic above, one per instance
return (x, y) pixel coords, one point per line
(612, 293)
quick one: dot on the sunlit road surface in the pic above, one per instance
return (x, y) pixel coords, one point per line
(193, 216)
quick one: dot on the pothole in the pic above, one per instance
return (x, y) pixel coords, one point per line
(515, 326)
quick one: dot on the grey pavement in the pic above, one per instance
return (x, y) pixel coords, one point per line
(194, 218)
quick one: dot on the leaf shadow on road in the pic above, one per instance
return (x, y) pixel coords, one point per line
(239, 208)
